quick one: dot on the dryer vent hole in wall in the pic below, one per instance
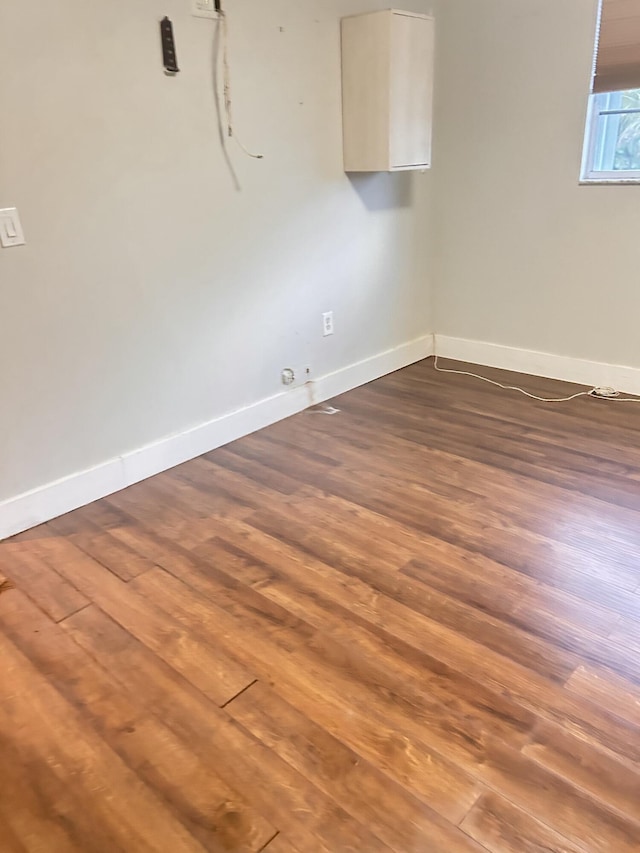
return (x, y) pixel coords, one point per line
(288, 376)
(296, 376)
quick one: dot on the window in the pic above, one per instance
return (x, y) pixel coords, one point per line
(612, 147)
(612, 144)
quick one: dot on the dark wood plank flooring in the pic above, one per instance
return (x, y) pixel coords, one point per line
(413, 626)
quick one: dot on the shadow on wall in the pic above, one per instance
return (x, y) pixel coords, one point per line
(383, 190)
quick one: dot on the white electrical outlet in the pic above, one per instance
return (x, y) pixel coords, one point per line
(327, 323)
(204, 9)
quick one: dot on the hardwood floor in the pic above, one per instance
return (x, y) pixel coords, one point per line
(413, 626)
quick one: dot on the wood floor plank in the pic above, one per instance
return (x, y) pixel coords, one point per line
(34, 804)
(570, 644)
(348, 546)
(426, 685)
(531, 651)
(493, 403)
(543, 508)
(524, 782)
(521, 780)
(500, 540)
(444, 684)
(396, 621)
(223, 576)
(515, 598)
(251, 468)
(360, 451)
(447, 431)
(399, 820)
(448, 688)
(183, 498)
(424, 772)
(44, 728)
(58, 597)
(588, 767)
(164, 507)
(502, 828)
(99, 544)
(240, 488)
(210, 810)
(300, 810)
(579, 471)
(491, 587)
(215, 673)
(299, 462)
(280, 844)
(607, 690)
(174, 547)
(99, 515)
(31, 802)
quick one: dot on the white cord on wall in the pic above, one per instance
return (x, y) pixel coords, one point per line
(228, 102)
(600, 393)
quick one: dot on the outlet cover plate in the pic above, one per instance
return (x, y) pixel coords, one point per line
(327, 323)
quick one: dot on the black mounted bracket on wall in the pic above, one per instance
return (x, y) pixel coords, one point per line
(168, 47)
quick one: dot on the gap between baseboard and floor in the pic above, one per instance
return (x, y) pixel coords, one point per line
(564, 368)
(54, 499)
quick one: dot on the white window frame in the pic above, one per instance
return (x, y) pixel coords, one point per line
(593, 145)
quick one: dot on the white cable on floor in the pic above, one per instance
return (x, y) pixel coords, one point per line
(609, 394)
(228, 104)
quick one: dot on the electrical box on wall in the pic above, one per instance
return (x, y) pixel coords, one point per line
(205, 9)
(387, 86)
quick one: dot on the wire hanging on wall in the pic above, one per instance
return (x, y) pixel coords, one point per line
(226, 85)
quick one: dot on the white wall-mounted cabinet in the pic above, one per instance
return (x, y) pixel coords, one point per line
(387, 91)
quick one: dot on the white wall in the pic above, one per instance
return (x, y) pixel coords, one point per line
(152, 296)
(527, 257)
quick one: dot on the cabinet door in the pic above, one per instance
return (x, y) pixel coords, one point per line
(412, 55)
(366, 59)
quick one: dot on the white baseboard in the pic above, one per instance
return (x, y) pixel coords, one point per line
(590, 373)
(55, 499)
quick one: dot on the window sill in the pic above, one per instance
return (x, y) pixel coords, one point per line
(605, 182)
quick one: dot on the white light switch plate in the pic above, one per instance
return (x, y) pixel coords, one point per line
(11, 233)
(204, 9)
